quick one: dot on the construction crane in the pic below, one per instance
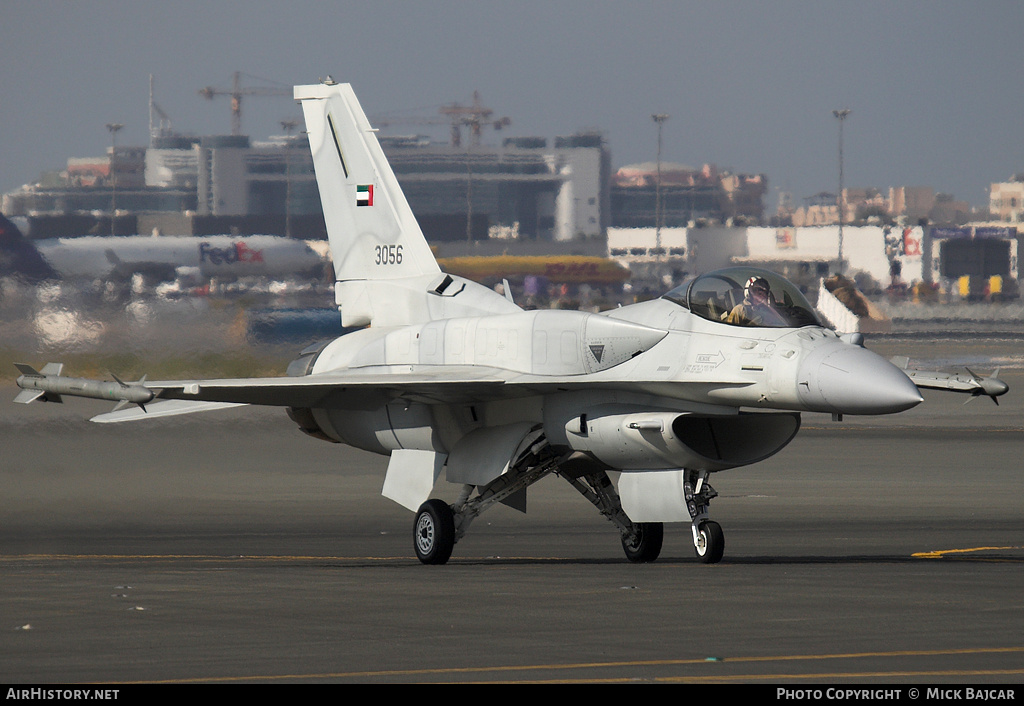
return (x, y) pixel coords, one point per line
(236, 94)
(474, 116)
(164, 129)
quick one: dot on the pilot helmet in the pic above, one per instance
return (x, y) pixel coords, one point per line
(756, 283)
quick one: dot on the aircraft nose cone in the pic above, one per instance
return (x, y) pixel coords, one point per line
(847, 379)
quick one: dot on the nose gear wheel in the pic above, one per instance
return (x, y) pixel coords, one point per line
(710, 544)
(708, 538)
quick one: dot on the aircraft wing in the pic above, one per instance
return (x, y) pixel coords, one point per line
(347, 389)
(350, 389)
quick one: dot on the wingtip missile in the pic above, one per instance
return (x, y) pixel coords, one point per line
(971, 383)
(49, 385)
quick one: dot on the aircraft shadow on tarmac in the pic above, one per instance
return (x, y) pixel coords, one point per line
(849, 560)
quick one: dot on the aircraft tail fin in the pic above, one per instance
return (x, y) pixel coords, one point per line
(19, 258)
(372, 231)
(385, 272)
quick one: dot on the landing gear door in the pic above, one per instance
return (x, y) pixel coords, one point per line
(411, 476)
(485, 453)
(654, 496)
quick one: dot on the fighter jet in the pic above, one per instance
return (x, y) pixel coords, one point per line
(445, 376)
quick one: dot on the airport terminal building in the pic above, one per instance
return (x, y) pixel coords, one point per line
(531, 188)
(528, 195)
(528, 188)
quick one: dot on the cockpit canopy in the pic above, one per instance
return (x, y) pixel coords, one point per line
(721, 296)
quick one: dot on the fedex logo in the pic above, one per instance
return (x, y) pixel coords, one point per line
(236, 252)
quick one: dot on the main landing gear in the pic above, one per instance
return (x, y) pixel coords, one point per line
(641, 541)
(644, 545)
(438, 525)
(434, 532)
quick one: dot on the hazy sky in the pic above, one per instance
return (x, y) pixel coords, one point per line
(934, 87)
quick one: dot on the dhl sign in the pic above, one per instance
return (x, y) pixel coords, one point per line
(565, 269)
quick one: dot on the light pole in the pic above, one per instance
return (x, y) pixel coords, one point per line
(841, 115)
(659, 120)
(113, 128)
(289, 126)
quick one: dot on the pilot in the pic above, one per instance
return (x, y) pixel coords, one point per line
(757, 307)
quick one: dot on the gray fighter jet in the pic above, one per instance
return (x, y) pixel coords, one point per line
(448, 377)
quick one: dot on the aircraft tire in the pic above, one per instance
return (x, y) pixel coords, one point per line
(434, 532)
(711, 542)
(647, 545)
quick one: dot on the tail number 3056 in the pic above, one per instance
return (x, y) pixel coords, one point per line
(387, 254)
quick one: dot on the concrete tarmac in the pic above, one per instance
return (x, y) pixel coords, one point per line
(229, 547)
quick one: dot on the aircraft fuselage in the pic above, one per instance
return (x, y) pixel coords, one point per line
(646, 360)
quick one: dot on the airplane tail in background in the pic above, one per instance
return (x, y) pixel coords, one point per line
(386, 274)
(19, 258)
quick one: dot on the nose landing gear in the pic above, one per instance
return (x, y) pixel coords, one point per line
(709, 542)
(708, 538)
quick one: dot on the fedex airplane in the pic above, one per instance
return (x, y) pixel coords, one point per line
(119, 257)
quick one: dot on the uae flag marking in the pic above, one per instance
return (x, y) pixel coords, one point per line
(364, 195)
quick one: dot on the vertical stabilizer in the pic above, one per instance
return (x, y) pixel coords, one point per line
(19, 258)
(372, 230)
(385, 272)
